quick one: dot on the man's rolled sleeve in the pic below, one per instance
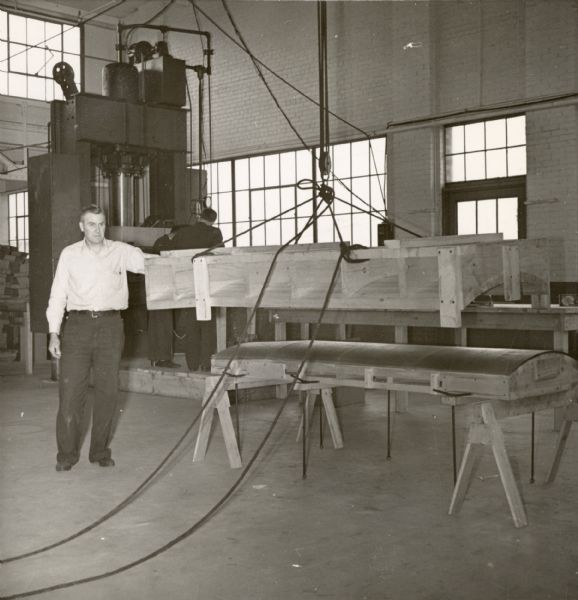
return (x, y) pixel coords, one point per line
(135, 260)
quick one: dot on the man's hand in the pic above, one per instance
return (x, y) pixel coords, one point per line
(54, 345)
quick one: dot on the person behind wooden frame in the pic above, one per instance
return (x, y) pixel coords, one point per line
(90, 284)
(161, 323)
(200, 336)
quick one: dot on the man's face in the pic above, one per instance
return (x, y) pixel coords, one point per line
(93, 227)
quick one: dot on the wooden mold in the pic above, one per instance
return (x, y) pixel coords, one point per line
(443, 274)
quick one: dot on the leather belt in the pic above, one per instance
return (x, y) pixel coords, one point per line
(95, 314)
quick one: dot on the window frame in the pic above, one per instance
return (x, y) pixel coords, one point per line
(343, 211)
(27, 74)
(482, 189)
(484, 149)
(14, 239)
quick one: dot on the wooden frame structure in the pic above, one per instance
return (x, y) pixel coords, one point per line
(491, 383)
(442, 275)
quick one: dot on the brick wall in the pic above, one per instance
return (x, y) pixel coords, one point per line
(391, 62)
(552, 185)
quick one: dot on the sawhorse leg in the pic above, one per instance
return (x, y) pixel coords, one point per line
(568, 416)
(330, 413)
(488, 433)
(219, 402)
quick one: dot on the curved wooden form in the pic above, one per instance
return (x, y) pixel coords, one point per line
(492, 383)
(442, 274)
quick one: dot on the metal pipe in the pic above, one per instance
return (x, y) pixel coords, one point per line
(304, 438)
(321, 420)
(121, 204)
(532, 448)
(388, 424)
(454, 443)
(457, 117)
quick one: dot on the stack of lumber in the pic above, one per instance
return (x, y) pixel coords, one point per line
(14, 295)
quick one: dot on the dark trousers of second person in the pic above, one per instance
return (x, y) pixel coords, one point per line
(87, 343)
(160, 335)
(200, 339)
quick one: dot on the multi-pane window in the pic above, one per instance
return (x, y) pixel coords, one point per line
(490, 215)
(18, 220)
(486, 149)
(485, 172)
(29, 49)
(262, 189)
(359, 183)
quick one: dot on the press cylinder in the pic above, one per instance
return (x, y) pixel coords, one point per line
(120, 82)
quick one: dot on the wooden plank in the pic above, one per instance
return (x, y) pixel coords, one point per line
(280, 335)
(450, 287)
(401, 398)
(206, 421)
(559, 450)
(229, 435)
(332, 420)
(202, 291)
(221, 326)
(310, 397)
(540, 300)
(504, 467)
(464, 475)
(511, 269)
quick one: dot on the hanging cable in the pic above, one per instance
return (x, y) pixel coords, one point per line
(324, 112)
(373, 213)
(324, 147)
(199, 523)
(282, 79)
(210, 154)
(262, 64)
(256, 226)
(131, 497)
(201, 136)
(150, 20)
(257, 66)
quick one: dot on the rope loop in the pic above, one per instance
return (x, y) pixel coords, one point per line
(346, 250)
(324, 191)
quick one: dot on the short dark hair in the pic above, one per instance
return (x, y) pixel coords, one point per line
(93, 209)
(208, 214)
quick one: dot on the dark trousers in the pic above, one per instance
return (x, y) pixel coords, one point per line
(88, 343)
(200, 339)
(160, 335)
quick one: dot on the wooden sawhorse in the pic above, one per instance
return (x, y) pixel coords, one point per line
(217, 398)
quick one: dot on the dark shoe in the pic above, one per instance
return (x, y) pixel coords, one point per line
(165, 364)
(62, 466)
(106, 462)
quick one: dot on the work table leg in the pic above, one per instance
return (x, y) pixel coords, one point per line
(401, 399)
(560, 342)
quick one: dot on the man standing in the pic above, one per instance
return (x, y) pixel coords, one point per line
(200, 336)
(161, 327)
(90, 284)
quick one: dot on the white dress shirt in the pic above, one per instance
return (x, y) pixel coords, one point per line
(87, 280)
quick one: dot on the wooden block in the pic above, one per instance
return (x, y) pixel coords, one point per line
(450, 287)
(511, 270)
(202, 289)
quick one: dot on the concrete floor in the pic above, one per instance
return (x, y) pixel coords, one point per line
(359, 527)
